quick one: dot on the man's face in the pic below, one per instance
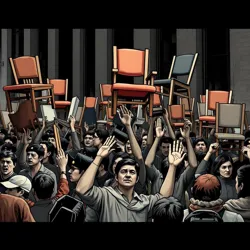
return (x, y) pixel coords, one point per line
(201, 147)
(128, 148)
(74, 174)
(96, 140)
(32, 158)
(6, 166)
(165, 148)
(144, 141)
(88, 141)
(52, 140)
(127, 176)
(46, 153)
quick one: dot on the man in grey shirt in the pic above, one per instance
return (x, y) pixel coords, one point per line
(120, 204)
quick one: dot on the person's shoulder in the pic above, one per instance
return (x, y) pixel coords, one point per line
(229, 216)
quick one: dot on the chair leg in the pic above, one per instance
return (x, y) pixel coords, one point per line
(9, 107)
(33, 99)
(52, 98)
(151, 102)
(200, 128)
(171, 92)
(114, 102)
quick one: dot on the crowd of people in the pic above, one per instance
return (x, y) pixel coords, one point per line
(122, 173)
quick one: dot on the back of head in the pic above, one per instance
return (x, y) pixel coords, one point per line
(206, 187)
(168, 210)
(43, 185)
(243, 177)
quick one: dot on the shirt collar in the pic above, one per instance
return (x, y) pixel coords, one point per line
(135, 195)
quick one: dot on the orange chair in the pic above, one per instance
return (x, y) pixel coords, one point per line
(212, 97)
(106, 96)
(60, 89)
(132, 62)
(28, 79)
(176, 115)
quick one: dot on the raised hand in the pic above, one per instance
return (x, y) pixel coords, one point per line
(26, 139)
(185, 131)
(106, 148)
(213, 147)
(176, 156)
(125, 115)
(158, 128)
(62, 160)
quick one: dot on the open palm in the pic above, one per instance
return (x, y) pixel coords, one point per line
(176, 156)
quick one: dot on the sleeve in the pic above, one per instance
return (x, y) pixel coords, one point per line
(24, 211)
(93, 197)
(202, 168)
(63, 188)
(75, 141)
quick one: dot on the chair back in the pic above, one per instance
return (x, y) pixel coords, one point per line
(26, 70)
(60, 87)
(183, 65)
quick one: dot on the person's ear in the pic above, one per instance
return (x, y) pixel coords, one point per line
(21, 192)
(49, 153)
(241, 186)
(116, 177)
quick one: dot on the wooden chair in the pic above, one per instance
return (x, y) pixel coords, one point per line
(230, 115)
(60, 89)
(212, 97)
(28, 80)
(132, 62)
(182, 65)
(176, 115)
(189, 109)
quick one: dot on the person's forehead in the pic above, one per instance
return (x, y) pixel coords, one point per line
(165, 144)
(43, 145)
(6, 159)
(201, 143)
(128, 167)
(31, 152)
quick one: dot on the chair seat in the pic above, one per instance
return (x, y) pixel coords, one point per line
(207, 118)
(25, 86)
(178, 124)
(227, 136)
(62, 104)
(133, 90)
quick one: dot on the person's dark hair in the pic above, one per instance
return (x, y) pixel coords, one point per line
(8, 147)
(243, 176)
(49, 133)
(206, 187)
(127, 161)
(7, 154)
(166, 139)
(43, 185)
(192, 134)
(105, 162)
(64, 143)
(36, 148)
(168, 210)
(247, 134)
(13, 139)
(116, 156)
(51, 149)
(219, 160)
(103, 134)
(200, 139)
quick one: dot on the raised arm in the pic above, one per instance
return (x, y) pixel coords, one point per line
(150, 137)
(175, 157)
(86, 181)
(38, 137)
(185, 132)
(166, 119)
(159, 133)
(75, 141)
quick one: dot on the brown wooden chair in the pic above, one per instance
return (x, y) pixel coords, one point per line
(132, 62)
(28, 80)
(176, 115)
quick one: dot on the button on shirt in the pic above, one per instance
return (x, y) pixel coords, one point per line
(113, 206)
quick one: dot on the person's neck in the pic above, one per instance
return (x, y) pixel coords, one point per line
(35, 169)
(6, 176)
(46, 160)
(128, 192)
